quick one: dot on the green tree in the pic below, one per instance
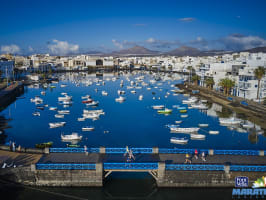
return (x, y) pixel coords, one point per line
(227, 85)
(259, 73)
(195, 79)
(190, 68)
(209, 82)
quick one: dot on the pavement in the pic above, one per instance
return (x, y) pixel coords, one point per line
(16, 158)
(146, 158)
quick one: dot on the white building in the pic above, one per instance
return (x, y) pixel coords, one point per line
(248, 84)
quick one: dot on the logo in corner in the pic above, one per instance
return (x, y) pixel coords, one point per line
(259, 183)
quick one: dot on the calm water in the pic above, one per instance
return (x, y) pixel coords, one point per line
(133, 122)
(118, 186)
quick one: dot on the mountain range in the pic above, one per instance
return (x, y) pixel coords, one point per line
(180, 51)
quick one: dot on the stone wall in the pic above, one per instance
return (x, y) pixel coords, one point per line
(68, 178)
(204, 178)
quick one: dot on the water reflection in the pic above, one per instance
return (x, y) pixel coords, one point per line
(121, 120)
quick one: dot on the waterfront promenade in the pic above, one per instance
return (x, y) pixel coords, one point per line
(74, 167)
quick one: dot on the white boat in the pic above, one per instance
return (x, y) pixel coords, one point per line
(43, 92)
(197, 136)
(90, 115)
(157, 107)
(63, 85)
(93, 103)
(178, 140)
(140, 97)
(230, 121)
(63, 112)
(63, 93)
(99, 112)
(178, 122)
(247, 125)
(148, 88)
(36, 100)
(183, 116)
(199, 106)
(56, 124)
(67, 102)
(203, 125)
(65, 98)
(86, 97)
(214, 132)
(73, 136)
(80, 119)
(190, 100)
(53, 108)
(59, 116)
(88, 128)
(104, 93)
(184, 130)
(133, 91)
(36, 114)
(120, 99)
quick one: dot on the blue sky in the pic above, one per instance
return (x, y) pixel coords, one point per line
(61, 27)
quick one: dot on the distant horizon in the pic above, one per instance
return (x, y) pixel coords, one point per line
(80, 26)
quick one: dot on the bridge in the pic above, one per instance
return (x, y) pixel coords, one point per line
(75, 167)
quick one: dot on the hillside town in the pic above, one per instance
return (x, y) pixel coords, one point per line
(206, 71)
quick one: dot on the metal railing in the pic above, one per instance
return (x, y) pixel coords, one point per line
(194, 167)
(66, 166)
(130, 166)
(248, 168)
(236, 152)
(161, 150)
(181, 151)
(123, 150)
(74, 150)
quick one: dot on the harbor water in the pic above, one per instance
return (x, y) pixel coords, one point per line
(132, 123)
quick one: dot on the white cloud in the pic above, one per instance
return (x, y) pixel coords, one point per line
(150, 40)
(62, 47)
(187, 19)
(10, 49)
(242, 42)
(117, 44)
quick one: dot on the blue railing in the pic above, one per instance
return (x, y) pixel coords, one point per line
(194, 167)
(123, 150)
(66, 166)
(161, 150)
(73, 150)
(248, 168)
(181, 151)
(244, 103)
(130, 166)
(230, 98)
(236, 152)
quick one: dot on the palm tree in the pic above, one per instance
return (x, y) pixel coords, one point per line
(190, 68)
(259, 73)
(209, 82)
(195, 79)
(227, 85)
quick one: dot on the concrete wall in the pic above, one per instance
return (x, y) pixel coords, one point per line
(204, 178)
(68, 178)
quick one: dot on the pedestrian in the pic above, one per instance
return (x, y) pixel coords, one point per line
(203, 156)
(19, 148)
(13, 146)
(187, 159)
(196, 154)
(85, 149)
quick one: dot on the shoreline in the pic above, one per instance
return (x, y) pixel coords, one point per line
(253, 113)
